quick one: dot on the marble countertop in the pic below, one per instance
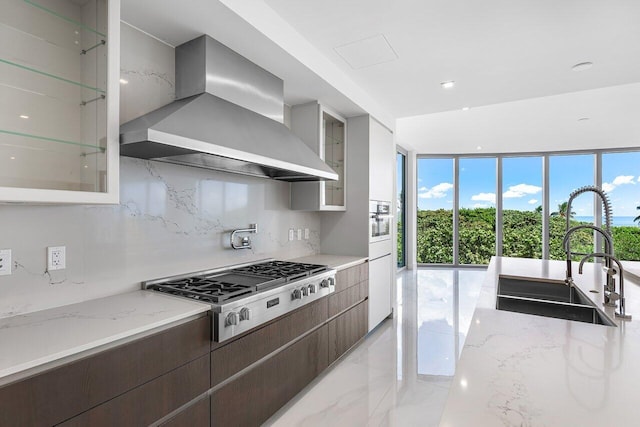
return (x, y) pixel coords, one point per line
(37, 339)
(523, 370)
(339, 262)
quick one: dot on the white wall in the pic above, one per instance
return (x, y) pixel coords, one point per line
(171, 219)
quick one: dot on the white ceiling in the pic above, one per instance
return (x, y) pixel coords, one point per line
(511, 61)
(495, 50)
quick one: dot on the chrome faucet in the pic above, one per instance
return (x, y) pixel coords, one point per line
(606, 205)
(245, 241)
(608, 249)
(611, 272)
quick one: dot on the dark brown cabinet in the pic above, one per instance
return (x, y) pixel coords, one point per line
(61, 393)
(256, 395)
(347, 329)
(348, 310)
(151, 401)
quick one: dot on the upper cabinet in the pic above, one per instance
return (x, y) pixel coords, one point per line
(325, 132)
(59, 85)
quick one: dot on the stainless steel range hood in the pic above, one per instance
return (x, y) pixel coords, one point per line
(228, 117)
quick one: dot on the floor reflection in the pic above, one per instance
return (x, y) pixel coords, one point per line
(400, 374)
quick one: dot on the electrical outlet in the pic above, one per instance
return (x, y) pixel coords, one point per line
(5, 262)
(291, 233)
(306, 234)
(56, 258)
(299, 233)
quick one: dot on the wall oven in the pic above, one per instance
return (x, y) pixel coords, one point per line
(379, 220)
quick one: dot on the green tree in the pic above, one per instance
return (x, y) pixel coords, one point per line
(637, 219)
(562, 211)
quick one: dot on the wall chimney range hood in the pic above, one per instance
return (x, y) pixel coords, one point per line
(228, 116)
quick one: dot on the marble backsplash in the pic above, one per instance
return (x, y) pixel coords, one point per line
(171, 219)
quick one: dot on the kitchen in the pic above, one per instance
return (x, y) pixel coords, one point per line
(173, 220)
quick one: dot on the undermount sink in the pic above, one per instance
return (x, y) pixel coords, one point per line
(547, 298)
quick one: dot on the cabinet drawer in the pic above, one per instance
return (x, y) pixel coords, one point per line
(196, 415)
(63, 392)
(151, 401)
(252, 398)
(351, 276)
(237, 355)
(347, 329)
(340, 301)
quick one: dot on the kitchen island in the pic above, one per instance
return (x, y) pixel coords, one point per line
(524, 370)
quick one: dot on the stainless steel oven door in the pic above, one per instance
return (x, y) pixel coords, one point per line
(379, 220)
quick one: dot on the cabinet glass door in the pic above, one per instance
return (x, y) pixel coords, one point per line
(53, 82)
(334, 150)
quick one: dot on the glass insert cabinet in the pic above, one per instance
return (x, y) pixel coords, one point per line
(59, 68)
(325, 132)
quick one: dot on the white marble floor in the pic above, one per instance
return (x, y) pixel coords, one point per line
(401, 373)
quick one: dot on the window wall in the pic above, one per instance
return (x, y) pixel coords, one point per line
(621, 181)
(435, 211)
(477, 215)
(401, 188)
(567, 173)
(522, 207)
(472, 207)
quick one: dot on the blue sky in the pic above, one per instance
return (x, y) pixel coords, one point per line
(522, 182)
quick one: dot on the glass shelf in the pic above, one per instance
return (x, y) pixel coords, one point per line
(33, 70)
(48, 139)
(62, 17)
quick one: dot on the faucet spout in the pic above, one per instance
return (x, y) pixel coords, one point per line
(608, 249)
(622, 312)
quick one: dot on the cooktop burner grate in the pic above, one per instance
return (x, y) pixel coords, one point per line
(238, 282)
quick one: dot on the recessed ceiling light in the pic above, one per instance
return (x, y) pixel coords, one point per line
(124, 81)
(479, 147)
(465, 108)
(24, 116)
(86, 167)
(12, 158)
(582, 66)
(448, 84)
(583, 119)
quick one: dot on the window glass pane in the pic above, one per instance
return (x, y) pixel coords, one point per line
(621, 181)
(568, 173)
(435, 211)
(400, 185)
(522, 207)
(477, 210)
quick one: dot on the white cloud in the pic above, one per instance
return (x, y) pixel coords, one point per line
(481, 205)
(436, 192)
(617, 181)
(608, 187)
(484, 197)
(533, 201)
(521, 190)
(623, 179)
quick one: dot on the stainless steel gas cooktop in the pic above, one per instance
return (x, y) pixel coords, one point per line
(245, 296)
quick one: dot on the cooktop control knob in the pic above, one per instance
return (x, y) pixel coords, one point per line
(305, 291)
(231, 319)
(245, 314)
(296, 294)
(332, 281)
(313, 288)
